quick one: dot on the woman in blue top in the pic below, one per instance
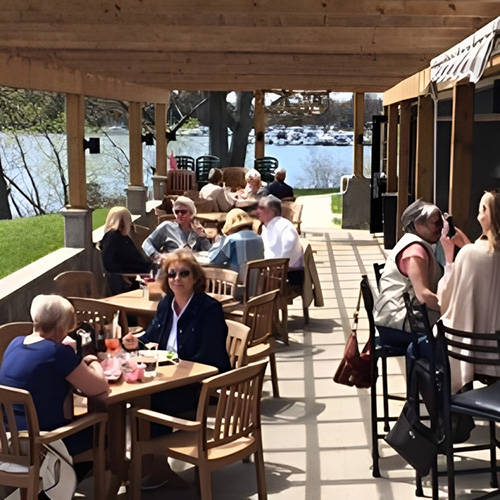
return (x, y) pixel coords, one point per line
(41, 364)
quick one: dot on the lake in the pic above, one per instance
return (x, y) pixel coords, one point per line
(307, 166)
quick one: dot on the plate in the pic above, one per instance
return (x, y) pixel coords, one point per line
(164, 356)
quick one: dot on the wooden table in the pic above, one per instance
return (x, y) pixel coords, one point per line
(137, 394)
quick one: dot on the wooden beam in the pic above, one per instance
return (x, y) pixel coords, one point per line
(260, 122)
(36, 75)
(135, 143)
(161, 138)
(392, 148)
(410, 88)
(424, 181)
(359, 127)
(462, 131)
(75, 120)
(404, 163)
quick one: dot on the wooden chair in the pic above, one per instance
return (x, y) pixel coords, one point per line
(10, 331)
(258, 316)
(139, 234)
(77, 284)
(237, 342)
(24, 447)
(220, 281)
(179, 181)
(292, 211)
(264, 275)
(96, 312)
(209, 444)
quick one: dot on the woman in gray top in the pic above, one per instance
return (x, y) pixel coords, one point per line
(184, 232)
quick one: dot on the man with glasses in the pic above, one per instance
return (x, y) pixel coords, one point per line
(184, 232)
(280, 237)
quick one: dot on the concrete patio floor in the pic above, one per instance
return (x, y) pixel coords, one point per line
(317, 434)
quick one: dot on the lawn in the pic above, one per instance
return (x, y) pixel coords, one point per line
(25, 240)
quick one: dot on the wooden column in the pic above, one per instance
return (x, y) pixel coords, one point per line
(75, 121)
(260, 122)
(359, 128)
(404, 163)
(392, 148)
(424, 181)
(462, 131)
(135, 143)
(161, 138)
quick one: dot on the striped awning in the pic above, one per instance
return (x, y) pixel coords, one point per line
(469, 58)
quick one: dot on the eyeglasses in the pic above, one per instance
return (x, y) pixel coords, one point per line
(182, 274)
(181, 212)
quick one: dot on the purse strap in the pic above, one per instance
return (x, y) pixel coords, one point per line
(354, 328)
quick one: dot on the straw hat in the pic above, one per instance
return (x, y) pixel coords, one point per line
(237, 219)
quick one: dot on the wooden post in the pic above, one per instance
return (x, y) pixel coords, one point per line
(424, 181)
(392, 148)
(75, 121)
(161, 138)
(462, 131)
(404, 163)
(135, 143)
(359, 128)
(260, 122)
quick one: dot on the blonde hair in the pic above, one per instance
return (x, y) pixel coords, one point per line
(52, 313)
(118, 218)
(252, 174)
(184, 201)
(493, 235)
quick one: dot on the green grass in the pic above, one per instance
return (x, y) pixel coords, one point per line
(25, 240)
(307, 192)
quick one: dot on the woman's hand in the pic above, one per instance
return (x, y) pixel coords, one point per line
(460, 239)
(198, 228)
(130, 342)
(448, 248)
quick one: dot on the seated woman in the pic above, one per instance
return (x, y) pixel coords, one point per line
(214, 191)
(48, 369)
(469, 293)
(253, 190)
(184, 232)
(238, 245)
(119, 253)
(191, 324)
(411, 267)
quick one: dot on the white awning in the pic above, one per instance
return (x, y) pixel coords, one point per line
(468, 58)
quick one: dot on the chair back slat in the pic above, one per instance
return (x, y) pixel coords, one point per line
(236, 343)
(264, 275)
(479, 348)
(237, 413)
(258, 316)
(98, 313)
(221, 281)
(179, 181)
(185, 162)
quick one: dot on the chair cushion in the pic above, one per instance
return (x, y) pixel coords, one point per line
(484, 401)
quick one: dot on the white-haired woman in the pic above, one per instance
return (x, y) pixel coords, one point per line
(184, 232)
(411, 267)
(119, 253)
(253, 190)
(41, 364)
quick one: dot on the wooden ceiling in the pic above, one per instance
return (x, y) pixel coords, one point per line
(144, 48)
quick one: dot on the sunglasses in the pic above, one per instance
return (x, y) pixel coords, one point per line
(182, 274)
(181, 212)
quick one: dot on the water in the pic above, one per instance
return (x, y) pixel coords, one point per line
(307, 166)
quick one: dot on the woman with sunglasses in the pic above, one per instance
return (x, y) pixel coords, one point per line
(192, 324)
(184, 232)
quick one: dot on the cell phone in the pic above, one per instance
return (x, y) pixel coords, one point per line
(451, 227)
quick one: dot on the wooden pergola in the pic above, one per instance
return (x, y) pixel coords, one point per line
(140, 50)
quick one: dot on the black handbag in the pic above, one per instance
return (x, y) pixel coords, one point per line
(413, 440)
